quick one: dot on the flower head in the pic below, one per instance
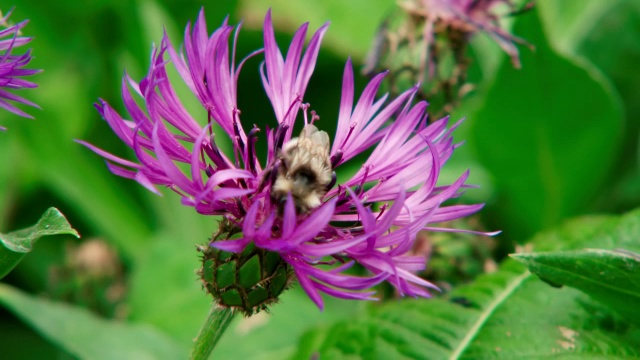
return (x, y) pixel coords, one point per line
(466, 17)
(12, 66)
(426, 42)
(370, 219)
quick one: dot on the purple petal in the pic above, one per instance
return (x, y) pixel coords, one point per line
(234, 246)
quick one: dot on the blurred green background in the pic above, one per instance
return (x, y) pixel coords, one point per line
(555, 139)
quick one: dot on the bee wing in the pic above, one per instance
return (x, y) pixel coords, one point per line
(318, 137)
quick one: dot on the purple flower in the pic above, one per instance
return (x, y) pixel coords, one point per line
(371, 219)
(468, 16)
(12, 67)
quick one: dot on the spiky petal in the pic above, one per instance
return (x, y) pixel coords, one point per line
(13, 66)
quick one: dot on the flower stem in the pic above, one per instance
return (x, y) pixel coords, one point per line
(211, 331)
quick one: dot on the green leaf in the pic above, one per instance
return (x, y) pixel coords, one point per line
(18, 243)
(613, 232)
(609, 276)
(508, 314)
(99, 198)
(619, 59)
(542, 130)
(568, 22)
(77, 72)
(164, 280)
(52, 222)
(294, 315)
(85, 335)
(351, 31)
(10, 171)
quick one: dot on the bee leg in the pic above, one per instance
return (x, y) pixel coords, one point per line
(335, 159)
(274, 172)
(332, 182)
(251, 148)
(265, 177)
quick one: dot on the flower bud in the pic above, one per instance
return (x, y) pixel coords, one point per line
(248, 281)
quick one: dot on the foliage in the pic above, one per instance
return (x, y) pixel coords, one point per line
(548, 144)
(16, 244)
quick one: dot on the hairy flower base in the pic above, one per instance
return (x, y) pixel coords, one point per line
(247, 282)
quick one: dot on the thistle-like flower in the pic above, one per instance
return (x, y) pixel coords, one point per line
(12, 67)
(427, 42)
(466, 17)
(286, 218)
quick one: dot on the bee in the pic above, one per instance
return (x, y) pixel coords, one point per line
(304, 170)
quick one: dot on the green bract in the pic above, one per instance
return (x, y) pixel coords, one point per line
(247, 282)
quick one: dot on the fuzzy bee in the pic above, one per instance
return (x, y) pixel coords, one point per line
(304, 170)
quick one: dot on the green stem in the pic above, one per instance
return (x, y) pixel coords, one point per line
(211, 331)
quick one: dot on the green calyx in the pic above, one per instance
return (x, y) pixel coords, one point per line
(247, 282)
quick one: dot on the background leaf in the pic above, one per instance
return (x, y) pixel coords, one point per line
(275, 335)
(619, 59)
(16, 244)
(509, 313)
(352, 29)
(84, 51)
(540, 143)
(568, 22)
(85, 335)
(164, 282)
(609, 276)
(52, 222)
